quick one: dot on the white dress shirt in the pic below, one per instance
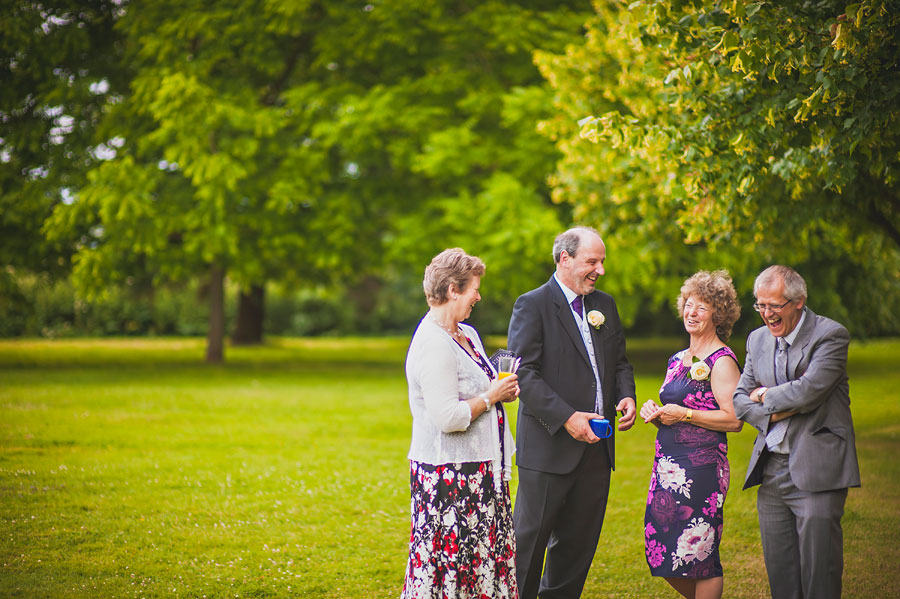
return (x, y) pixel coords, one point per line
(585, 329)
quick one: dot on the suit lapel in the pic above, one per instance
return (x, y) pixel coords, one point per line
(567, 318)
(798, 349)
(591, 303)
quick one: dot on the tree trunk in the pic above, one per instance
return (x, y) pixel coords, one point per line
(215, 338)
(362, 296)
(251, 310)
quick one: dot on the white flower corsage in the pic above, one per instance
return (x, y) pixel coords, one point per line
(699, 370)
(596, 318)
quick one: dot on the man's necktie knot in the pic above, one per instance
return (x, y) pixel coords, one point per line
(578, 305)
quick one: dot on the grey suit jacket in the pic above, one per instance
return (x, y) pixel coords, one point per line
(556, 378)
(821, 438)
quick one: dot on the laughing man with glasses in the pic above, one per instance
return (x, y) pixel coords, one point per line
(794, 390)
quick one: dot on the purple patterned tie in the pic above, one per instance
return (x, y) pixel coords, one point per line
(578, 305)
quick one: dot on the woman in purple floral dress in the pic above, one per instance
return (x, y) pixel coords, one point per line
(462, 543)
(683, 521)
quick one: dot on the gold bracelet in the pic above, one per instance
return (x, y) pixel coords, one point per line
(690, 414)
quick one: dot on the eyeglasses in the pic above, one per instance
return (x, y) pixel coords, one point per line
(773, 307)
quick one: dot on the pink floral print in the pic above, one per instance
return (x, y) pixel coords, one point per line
(688, 484)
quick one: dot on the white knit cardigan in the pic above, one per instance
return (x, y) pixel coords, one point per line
(441, 375)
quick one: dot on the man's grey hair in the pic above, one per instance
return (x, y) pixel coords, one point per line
(794, 285)
(569, 241)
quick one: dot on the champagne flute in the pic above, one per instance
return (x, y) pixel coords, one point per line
(506, 365)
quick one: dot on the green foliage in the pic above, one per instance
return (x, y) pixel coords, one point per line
(188, 188)
(130, 469)
(305, 142)
(43, 306)
(59, 67)
(339, 147)
(507, 225)
(305, 313)
(740, 134)
(444, 146)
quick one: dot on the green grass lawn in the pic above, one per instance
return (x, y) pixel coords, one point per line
(128, 468)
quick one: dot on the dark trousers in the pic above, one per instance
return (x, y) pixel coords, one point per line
(561, 514)
(801, 535)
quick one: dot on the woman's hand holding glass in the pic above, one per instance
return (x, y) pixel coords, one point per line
(505, 389)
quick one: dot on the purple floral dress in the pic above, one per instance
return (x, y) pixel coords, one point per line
(683, 521)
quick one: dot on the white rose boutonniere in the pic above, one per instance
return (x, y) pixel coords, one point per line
(596, 318)
(699, 370)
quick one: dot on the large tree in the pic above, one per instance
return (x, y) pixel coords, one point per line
(740, 134)
(312, 141)
(213, 175)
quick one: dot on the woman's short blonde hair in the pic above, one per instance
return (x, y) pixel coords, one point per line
(716, 290)
(450, 267)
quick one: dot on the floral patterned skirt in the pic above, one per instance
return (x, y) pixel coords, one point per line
(684, 518)
(462, 544)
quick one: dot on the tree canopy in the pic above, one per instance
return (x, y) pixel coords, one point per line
(315, 141)
(58, 59)
(338, 146)
(737, 135)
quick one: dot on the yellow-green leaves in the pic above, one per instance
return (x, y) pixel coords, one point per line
(721, 120)
(729, 43)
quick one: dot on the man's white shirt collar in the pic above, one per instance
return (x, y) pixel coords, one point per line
(570, 295)
(789, 338)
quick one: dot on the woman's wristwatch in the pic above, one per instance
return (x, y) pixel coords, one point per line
(487, 402)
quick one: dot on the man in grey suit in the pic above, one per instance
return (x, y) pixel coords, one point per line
(573, 369)
(794, 390)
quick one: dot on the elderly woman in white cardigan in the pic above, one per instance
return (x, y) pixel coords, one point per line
(462, 543)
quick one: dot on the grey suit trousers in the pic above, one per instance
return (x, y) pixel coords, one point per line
(801, 535)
